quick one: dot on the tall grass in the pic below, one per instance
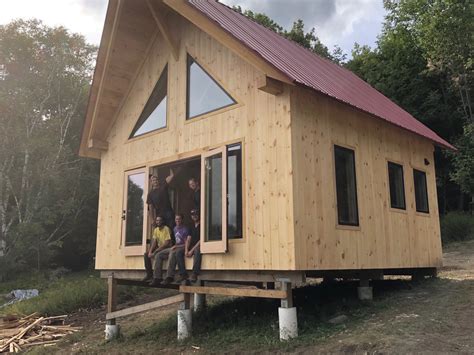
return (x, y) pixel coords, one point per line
(457, 226)
(66, 295)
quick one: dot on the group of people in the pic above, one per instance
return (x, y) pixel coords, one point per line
(172, 239)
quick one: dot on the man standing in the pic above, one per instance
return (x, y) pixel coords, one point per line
(196, 192)
(158, 199)
(159, 249)
(191, 249)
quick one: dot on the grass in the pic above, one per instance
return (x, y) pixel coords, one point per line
(457, 226)
(68, 294)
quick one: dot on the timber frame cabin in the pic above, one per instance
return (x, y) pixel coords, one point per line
(322, 175)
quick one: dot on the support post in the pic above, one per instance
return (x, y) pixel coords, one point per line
(185, 318)
(364, 291)
(199, 299)
(112, 330)
(287, 316)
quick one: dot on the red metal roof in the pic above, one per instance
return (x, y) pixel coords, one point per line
(310, 70)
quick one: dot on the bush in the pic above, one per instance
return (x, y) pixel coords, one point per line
(457, 226)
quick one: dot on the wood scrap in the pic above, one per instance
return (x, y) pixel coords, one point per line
(16, 333)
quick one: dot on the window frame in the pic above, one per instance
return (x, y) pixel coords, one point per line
(131, 138)
(212, 247)
(427, 211)
(339, 223)
(397, 208)
(218, 246)
(134, 250)
(232, 105)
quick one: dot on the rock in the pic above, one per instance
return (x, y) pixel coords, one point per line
(339, 319)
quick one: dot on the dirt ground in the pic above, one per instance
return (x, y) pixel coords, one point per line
(431, 316)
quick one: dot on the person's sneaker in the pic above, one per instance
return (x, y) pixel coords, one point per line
(181, 278)
(193, 277)
(155, 282)
(147, 278)
(167, 281)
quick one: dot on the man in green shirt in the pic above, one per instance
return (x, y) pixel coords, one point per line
(159, 249)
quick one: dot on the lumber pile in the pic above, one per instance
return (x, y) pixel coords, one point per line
(20, 333)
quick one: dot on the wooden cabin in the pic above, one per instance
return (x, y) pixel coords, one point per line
(305, 169)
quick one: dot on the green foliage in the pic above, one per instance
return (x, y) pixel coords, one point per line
(463, 160)
(457, 226)
(48, 196)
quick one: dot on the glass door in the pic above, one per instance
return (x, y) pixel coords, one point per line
(133, 212)
(214, 201)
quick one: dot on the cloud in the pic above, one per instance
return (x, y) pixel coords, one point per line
(80, 16)
(337, 22)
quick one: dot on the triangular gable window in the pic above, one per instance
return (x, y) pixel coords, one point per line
(204, 93)
(153, 116)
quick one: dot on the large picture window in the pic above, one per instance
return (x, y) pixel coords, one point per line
(221, 198)
(346, 187)
(397, 188)
(153, 116)
(204, 94)
(421, 192)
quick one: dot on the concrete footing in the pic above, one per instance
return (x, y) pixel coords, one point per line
(112, 331)
(365, 293)
(288, 323)
(199, 302)
(184, 323)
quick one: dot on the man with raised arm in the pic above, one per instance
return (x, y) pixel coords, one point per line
(158, 200)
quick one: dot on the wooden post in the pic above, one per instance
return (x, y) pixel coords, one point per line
(112, 297)
(111, 328)
(288, 301)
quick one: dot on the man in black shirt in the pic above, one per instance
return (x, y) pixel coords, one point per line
(191, 249)
(158, 200)
(196, 192)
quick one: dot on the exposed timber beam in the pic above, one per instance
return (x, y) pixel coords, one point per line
(270, 85)
(98, 144)
(172, 41)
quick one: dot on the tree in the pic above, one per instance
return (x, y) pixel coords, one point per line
(45, 189)
(422, 61)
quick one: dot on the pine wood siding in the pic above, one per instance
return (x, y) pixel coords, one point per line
(260, 120)
(386, 237)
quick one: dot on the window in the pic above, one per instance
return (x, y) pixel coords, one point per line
(397, 188)
(153, 116)
(204, 94)
(346, 188)
(234, 191)
(132, 214)
(221, 199)
(421, 192)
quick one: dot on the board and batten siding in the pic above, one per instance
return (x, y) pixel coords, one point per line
(261, 120)
(385, 238)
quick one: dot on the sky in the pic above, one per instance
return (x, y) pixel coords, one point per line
(341, 22)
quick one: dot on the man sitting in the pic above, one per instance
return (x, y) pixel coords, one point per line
(159, 249)
(181, 232)
(191, 249)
